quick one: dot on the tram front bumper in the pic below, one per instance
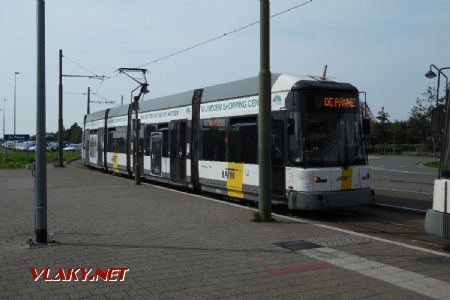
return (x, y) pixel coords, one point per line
(327, 200)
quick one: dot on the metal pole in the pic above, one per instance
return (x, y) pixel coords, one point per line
(4, 122)
(15, 88)
(15, 85)
(437, 95)
(324, 77)
(438, 86)
(137, 165)
(444, 147)
(41, 155)
(89, 100)
(4, 101)
(3, 139)
(265, 117)
(434, 149)
(60, 115)
(121, 100)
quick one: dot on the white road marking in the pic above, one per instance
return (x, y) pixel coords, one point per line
(301, 220)
(398, 171)
(404, 191)
(412, 281)
(401, 207)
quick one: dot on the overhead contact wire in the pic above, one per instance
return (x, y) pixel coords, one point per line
(221, 36)
(210, 40)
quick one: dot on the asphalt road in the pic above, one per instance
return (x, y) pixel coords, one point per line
(403, 181)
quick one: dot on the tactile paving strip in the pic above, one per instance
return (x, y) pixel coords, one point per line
(340, 240)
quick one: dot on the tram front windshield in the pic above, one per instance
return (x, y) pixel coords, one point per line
(328, 129)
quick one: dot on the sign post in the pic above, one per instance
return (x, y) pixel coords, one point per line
(17, 137)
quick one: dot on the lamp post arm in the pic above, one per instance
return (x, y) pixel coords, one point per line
(439, 80)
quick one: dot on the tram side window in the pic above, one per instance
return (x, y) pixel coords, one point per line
(93, 143)
(295, 140)
(121, 137)
(277, 142)
(111, 147)
(117, 138)
(243, 140)
(148, 136)
(164, 128)
(214, 132)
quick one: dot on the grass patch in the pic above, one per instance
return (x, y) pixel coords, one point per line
(18, 160)
(431, 164)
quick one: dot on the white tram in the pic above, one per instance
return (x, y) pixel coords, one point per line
(206, 139)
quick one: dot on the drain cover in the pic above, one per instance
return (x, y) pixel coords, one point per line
(298, 245)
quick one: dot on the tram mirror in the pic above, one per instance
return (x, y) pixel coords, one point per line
(437, 119)
(290, 127)
(366, 126)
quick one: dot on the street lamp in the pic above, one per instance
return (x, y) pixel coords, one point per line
(15, 85)
(430, 74)
(4, 143)
(4, 114)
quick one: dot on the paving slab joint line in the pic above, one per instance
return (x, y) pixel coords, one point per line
(412, 281)
(299, 220)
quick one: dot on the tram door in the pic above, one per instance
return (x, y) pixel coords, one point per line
(156, 153)
(278, 170)
(100, 146)
(86, 145)
(178, 149)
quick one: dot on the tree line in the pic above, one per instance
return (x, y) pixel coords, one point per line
(415, 131)
(72, 134)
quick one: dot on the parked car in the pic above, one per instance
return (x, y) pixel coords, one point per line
(52, 146)
(73, 147)
(9, 144)
(24, 146)
(18, 146)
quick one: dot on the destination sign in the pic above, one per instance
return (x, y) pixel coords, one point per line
(16, 137)
(339, 102)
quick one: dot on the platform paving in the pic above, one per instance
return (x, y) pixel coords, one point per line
(182, 246)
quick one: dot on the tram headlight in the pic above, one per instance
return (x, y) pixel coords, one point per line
(367, 177)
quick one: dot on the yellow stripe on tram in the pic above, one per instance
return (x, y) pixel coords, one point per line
(234, 175)
(116, 162)
(347, 176)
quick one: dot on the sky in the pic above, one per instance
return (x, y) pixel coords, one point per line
(383, 47)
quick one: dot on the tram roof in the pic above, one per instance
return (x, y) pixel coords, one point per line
(234, 89)
(99, 115)
(177, 100)
(229, 90)
(250, 86)
(118, 111)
